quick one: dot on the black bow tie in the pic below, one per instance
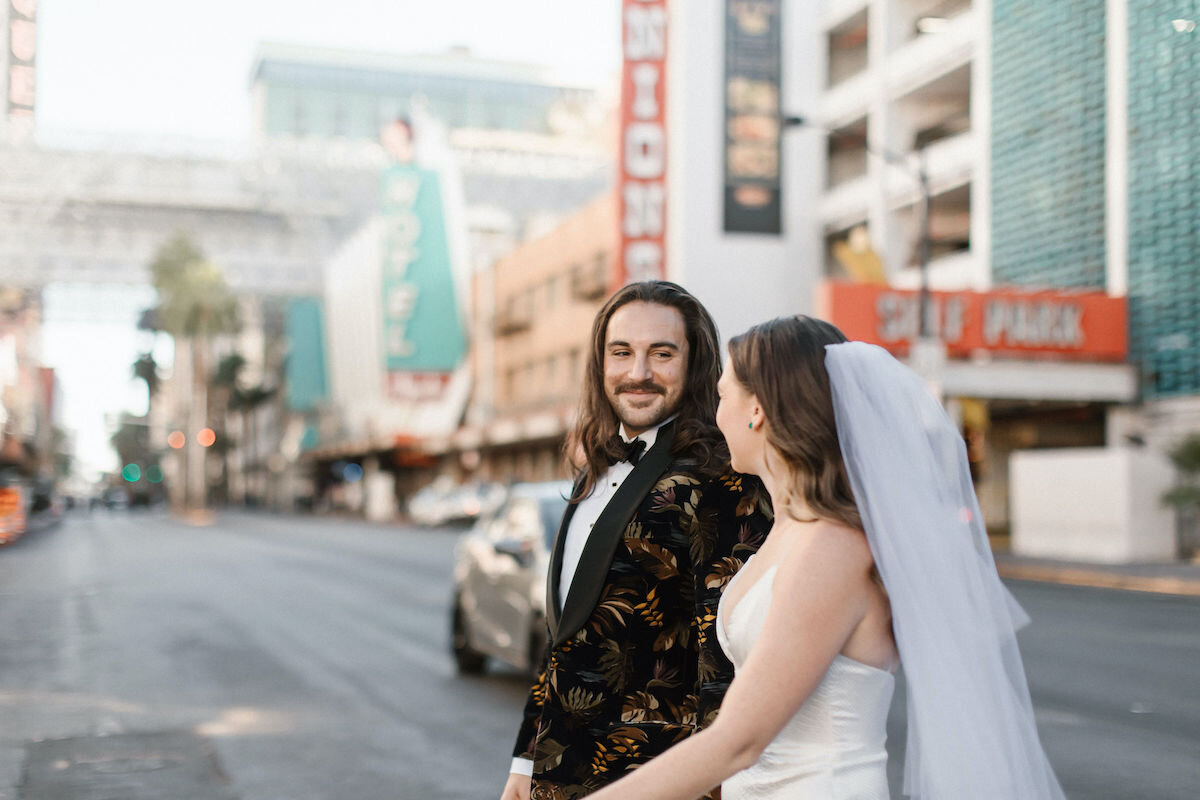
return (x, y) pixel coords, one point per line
(627, 451)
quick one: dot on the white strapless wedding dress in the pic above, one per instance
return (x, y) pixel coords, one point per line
(833, 748)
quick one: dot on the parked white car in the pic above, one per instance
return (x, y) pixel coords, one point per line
(500, 569)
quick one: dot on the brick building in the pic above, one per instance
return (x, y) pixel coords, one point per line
(534, 313)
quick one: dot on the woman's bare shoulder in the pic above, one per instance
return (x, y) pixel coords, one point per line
(828, 545)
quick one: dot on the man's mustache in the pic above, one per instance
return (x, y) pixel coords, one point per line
(646, 386)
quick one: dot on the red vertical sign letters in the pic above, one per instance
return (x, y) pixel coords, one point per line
(643, 148)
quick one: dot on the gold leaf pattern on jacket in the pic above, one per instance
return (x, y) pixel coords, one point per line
(722, 572)
(676, 634)
(550, 755)
(704, 533)
(613, 664)
(640, 707)
(671, 481)
(656, 559)
(609, 615)
(539, 688)
(623, 743)
(746, 506)
(648, 609)
(704, 623)
(579, 702)
(549, 791)
(687, 711)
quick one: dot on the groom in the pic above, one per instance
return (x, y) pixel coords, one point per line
(656, 527)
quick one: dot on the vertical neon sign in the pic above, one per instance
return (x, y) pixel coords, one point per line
(643, 146)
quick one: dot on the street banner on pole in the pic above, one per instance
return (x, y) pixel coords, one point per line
(752, 117)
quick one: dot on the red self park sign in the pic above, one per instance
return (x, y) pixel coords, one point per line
(1055, 323)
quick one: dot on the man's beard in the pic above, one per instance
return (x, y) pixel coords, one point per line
(646, 386)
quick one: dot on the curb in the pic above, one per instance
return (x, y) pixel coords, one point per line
(1079, 576)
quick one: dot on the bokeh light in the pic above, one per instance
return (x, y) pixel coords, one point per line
(154, 473)
(132, 473)
(206, 437)
(352, 473)
(176, 440)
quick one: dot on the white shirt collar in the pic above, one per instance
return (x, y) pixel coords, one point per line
(649, 436)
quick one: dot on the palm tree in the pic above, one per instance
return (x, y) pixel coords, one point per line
(226, 386)
(229, 371)
(146, 369)
(248, 401)
(1184, 496)
(195, 305)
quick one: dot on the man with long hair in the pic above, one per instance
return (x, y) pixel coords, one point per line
(656, 527)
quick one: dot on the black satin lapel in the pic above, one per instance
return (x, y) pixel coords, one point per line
(554, 576)
(608, 531)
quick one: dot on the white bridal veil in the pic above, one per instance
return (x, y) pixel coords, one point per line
(971, 731)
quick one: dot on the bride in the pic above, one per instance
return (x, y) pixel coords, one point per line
(878, 556)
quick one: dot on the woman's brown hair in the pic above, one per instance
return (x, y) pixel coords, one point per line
(782, 362)
(698, 442)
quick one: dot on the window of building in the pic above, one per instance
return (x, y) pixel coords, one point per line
(847, 153)
(938, 110)
(847, 45)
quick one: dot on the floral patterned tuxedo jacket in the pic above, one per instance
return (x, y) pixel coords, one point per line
(633, 664)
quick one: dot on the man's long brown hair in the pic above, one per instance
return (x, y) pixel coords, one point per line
(698, 443)
(782, 362)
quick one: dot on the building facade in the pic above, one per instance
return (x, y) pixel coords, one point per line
(953, 157)
(1050, 141)
(509, 155)
(534, 311)
(322, 93)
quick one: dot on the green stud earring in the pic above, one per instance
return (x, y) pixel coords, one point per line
(751, 425)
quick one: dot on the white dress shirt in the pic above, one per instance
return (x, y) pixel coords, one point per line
(587, 511)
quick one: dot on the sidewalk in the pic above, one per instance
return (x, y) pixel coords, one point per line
(1177, 578)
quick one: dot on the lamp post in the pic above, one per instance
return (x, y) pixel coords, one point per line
(928, 351)
(924, 328)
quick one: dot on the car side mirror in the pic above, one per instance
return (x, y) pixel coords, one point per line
(519, 549)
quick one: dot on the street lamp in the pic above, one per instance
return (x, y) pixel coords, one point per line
(924, 329)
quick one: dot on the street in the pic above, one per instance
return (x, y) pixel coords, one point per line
(306, 658)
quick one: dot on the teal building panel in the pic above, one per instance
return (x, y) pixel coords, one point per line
(1048, 140)
(1164, 197)
(307, 381)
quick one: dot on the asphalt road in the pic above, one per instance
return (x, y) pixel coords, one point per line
(305, 658)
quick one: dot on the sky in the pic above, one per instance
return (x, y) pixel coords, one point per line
(172, 70)
(182, 69)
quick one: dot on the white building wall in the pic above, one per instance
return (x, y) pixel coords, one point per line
(1091, 504)
(742, 279)
(353, 303)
